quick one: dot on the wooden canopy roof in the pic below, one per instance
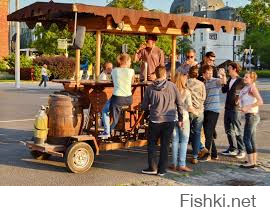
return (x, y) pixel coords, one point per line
(117, 20)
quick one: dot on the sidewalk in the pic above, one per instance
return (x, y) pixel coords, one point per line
(31, 85)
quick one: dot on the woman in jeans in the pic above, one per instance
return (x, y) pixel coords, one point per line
(122, 77)
(250, 100)
(180, 136)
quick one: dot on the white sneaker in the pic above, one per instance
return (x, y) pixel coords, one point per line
(229, 153)
(240, 155)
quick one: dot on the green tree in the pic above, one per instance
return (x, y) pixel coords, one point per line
(46, 40)
(131, 4)
(257, 16)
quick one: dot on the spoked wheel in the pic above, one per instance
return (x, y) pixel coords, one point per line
(79, 157)
(40, 155)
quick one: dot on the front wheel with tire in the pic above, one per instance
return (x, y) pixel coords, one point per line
(40, 155)
(79, 157)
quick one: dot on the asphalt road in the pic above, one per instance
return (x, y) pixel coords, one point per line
(122, 167)
(17, 167)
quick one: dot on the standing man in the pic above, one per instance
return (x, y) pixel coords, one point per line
(163, 99)
(44, 76)
(232, 115)
(209, 59)
(151, 57)
(190, 61)
(212, 107)
(106, 73)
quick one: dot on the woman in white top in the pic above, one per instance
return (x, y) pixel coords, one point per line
(250, 100)
(122, 77)
(180, 136)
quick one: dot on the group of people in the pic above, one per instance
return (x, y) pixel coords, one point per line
(186, 107)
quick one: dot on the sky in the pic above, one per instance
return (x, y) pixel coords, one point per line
(163, 5)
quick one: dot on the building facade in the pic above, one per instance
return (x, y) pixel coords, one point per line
(4, 28)
(226, 45)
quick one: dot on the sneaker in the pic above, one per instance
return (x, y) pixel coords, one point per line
(194, 161)
(240, 155)
(229, 153)
(184, 169)
(149, 171)
(205, 158)
(214, 158)
(247, 166)
(161, 173)
(104, 135)
(202, 153)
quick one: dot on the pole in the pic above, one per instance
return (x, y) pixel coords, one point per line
(17, 51)
(234, 38)
(250, 53)
(77, 67)
(173, 60)
(98, 53)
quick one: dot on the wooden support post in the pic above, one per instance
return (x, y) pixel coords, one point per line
(77, 67)
(173, 59)
(98, 53)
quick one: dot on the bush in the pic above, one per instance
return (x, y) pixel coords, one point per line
(60, 67)
(3, 65)
(25, 62)
(25, 73)
(260, 73)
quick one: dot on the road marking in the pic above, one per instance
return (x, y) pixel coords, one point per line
(20, 120)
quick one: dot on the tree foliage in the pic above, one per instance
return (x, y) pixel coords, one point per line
(131, 4)
(46, 40)
(257, 16)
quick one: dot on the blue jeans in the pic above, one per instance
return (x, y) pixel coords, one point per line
(251, 123)
(196, 123)
(43, 79)
(106, 116)
(180, 138)
(232, 124)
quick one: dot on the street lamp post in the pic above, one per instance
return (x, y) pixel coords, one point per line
(17, 51)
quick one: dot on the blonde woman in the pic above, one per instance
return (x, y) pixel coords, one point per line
(250, 100)
(180, 136)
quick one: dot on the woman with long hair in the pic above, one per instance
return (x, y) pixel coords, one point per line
(250, 100)
(180, 136)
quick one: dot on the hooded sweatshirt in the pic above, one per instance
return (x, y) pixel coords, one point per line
(162, 98)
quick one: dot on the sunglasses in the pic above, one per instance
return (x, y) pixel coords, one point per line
(189, 57)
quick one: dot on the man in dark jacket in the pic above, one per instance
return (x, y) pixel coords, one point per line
(232, 115)
(162, 98)
(208, 59)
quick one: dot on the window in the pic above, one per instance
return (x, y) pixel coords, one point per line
(194, 37)
(239, 38)
(201, 37)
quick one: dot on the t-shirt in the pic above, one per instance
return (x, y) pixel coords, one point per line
(231, 83)
(153, 57)
(104, 77)
(44, 71)
(212, 101)
(122, 80)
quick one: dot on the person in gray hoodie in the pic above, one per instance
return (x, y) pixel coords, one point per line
(162, 99)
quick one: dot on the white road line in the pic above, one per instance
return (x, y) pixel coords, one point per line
(21, 120)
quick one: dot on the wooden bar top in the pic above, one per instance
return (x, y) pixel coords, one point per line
(93, 83)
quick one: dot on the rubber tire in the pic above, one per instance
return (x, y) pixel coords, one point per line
(40, 155)
(71, 167)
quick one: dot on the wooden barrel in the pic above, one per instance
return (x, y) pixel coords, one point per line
(65, 118)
